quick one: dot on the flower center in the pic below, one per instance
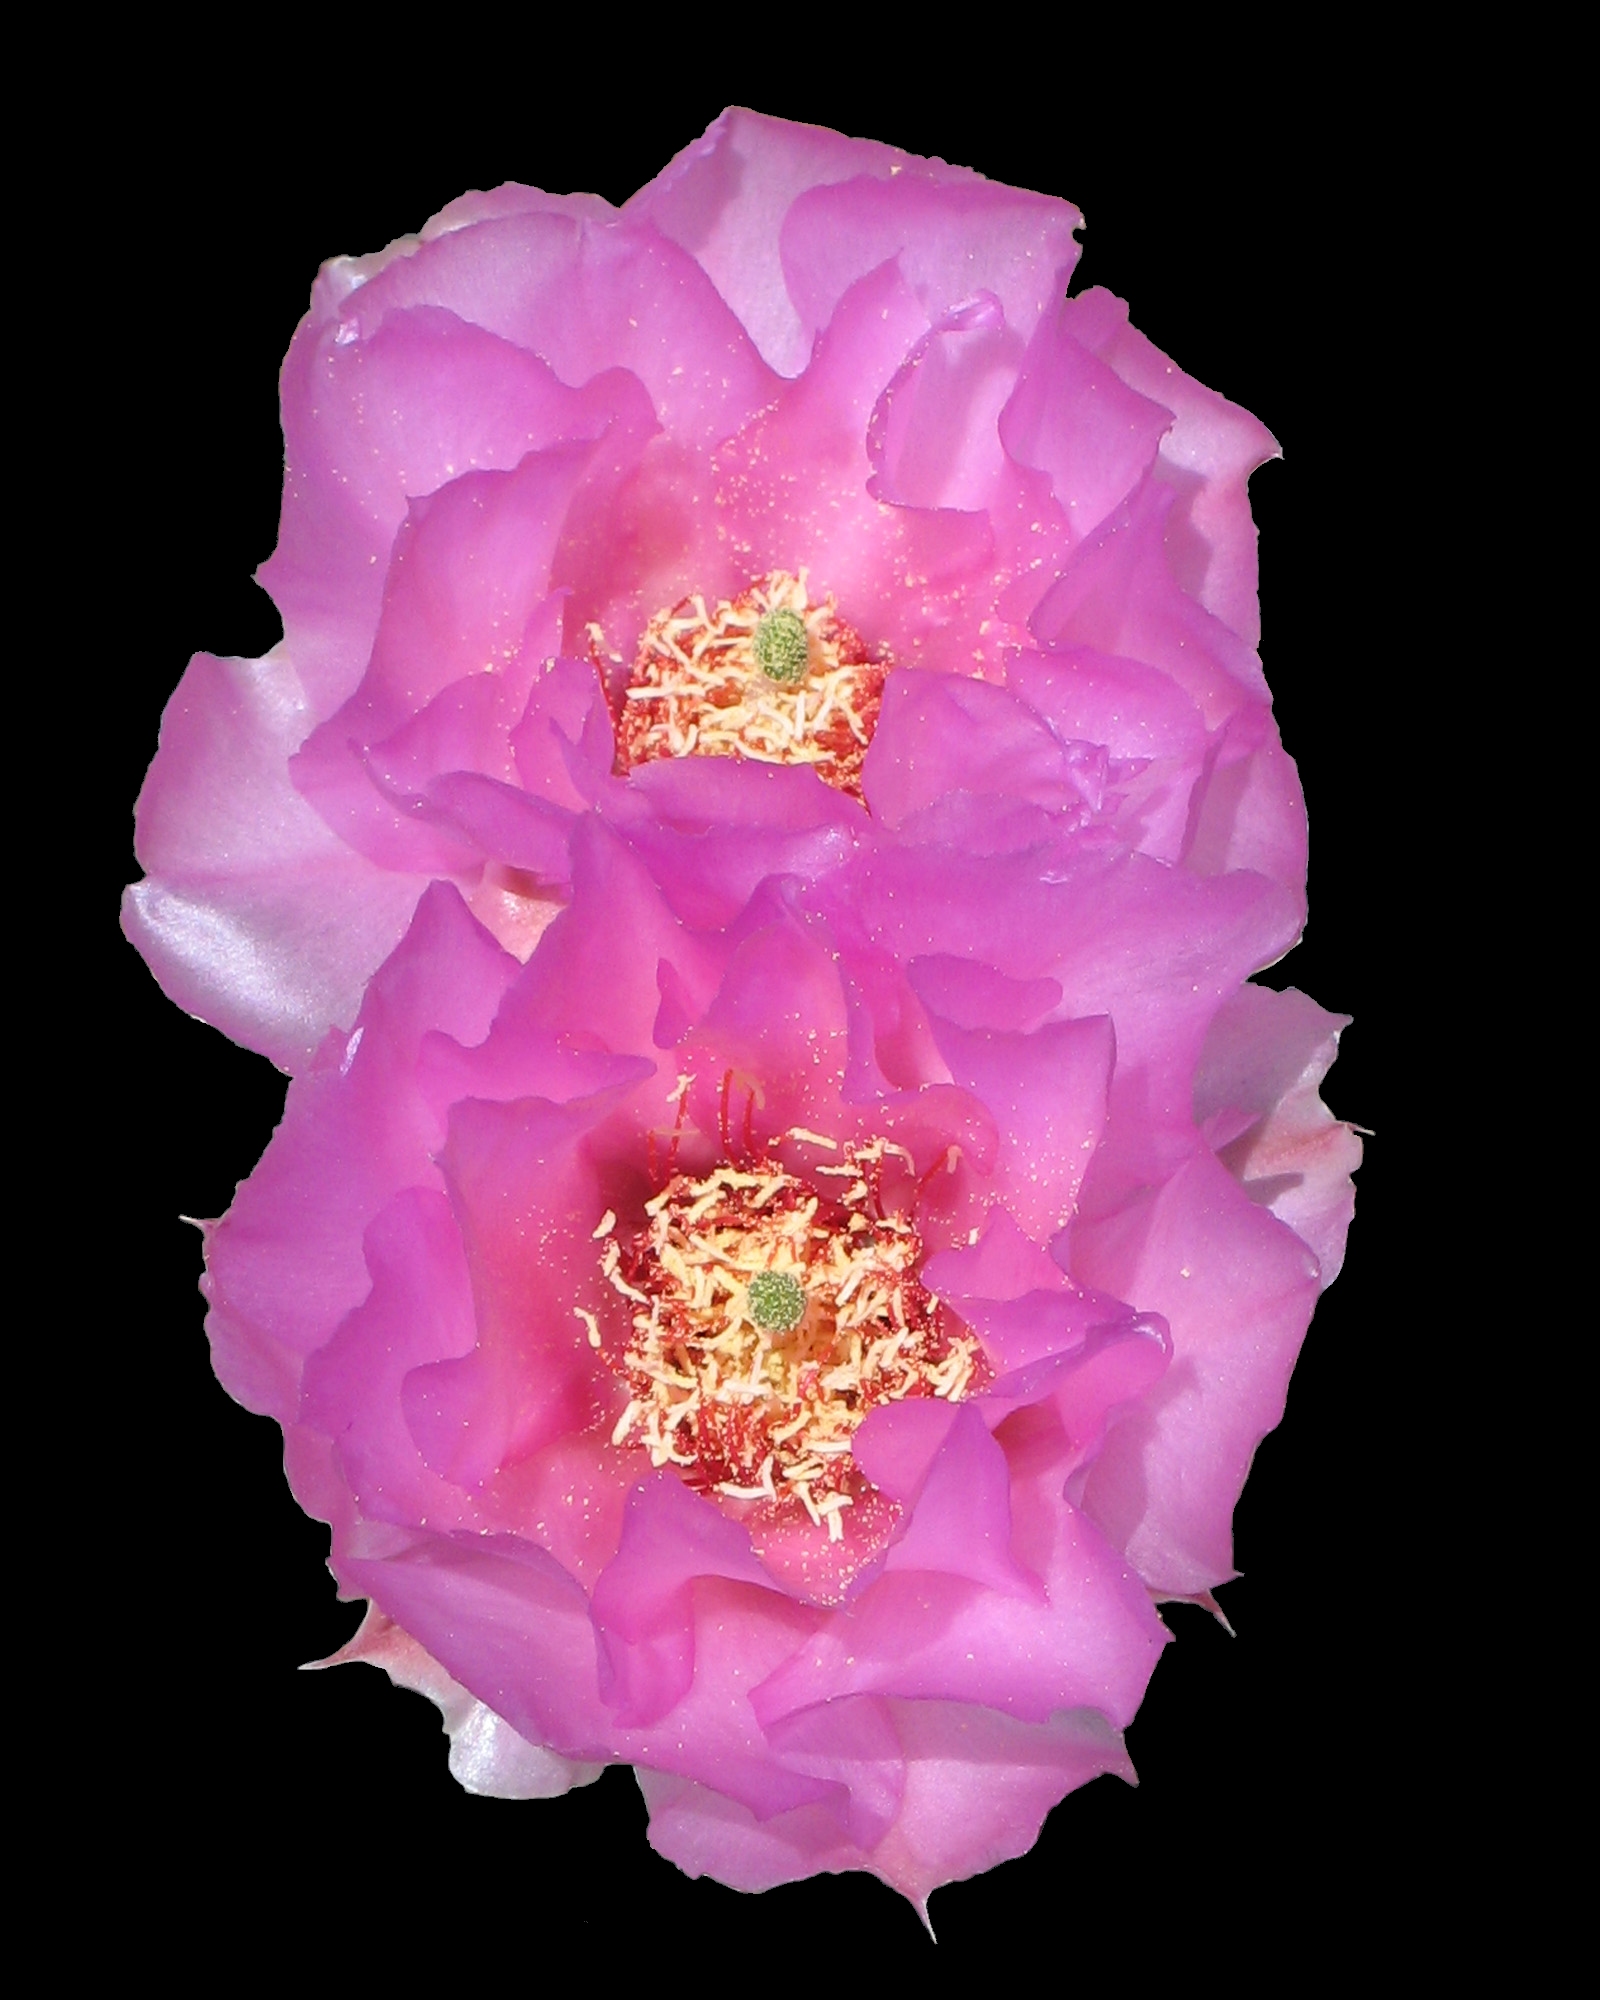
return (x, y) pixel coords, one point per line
(782, 646)
(769, 1317)
(770, 676)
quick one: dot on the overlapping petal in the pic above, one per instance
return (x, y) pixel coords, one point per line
(529, 989)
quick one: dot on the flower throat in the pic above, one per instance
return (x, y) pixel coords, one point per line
(770, 676)
(770, 1317)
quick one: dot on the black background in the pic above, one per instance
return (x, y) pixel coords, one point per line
(1280, 242)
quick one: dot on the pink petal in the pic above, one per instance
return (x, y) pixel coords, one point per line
(974, 1790)
(589, 293)
(712, 829)
(940, 733)
(1149, 727)
(254, 915)
(1118, 594)
(1263, 1061)
(1236, 1287)
(1154, 948)
(285, 1264)
(1091, 1642)
(1207, 456)
(526, 1198)
(371, 424)
(487, 1756)
(1004, 1264)
(470, 572)
(934, 437)
(978, 1785)
(1047, 1092)
(960, 1521)
(418, 1310)
(724, 199)
(642, 1604)
(1071, 416)
(954, 236)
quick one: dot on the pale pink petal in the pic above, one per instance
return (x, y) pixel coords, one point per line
(487, 1756)
(978, 1785)
(253, 915)
(1261, 1069)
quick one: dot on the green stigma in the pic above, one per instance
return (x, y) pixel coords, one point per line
(781, 646)
(777, 1301)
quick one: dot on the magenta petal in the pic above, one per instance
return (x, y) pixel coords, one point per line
(899, 1442)
(1090, 1641)
(953, 236)
(469, 725)
(590, 293)
(579, 983)
(1071, 416)
(974, 1790)
(853, 1744)
(1154, 948)
(642, 1609)
(1005, 1263)
(911, 578)
(1017, 1332)
(1047, 1092)
(1117, 594)
(724, 197)
(471, 567)
(1207, 455)
(371, 424)
(506, 825)
(704, 1832)
(501, 1617)
(940, 733)
(1236, 1287)
(961, 1522)
(934, 438)
(973, 995)
(285, 1264)
(526, 1198)
(1152, 732)
(1116, 1363)
(418, 1310)
(564, 703)
(712, 829)
(779, 1015)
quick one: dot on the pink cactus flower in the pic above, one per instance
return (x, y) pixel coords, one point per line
(791, 1218)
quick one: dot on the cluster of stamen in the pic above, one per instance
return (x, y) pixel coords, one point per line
(770, 676)
(770, 1316)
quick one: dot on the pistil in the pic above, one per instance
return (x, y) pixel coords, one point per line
(770, 676)
(770, 1316)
